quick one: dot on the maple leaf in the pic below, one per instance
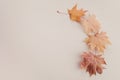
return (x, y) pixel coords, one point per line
(92, 63)
(98, 41)
(90, 24)
(75, 14)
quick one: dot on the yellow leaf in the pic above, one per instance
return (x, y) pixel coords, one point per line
(97, 42)
(75, 14)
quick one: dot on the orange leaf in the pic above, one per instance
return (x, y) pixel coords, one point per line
(92, 63)
(98, 41)
(75, 14)
(90, 24)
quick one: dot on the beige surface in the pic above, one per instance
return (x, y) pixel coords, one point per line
(36, 43)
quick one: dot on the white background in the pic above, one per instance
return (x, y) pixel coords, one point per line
(36, 43)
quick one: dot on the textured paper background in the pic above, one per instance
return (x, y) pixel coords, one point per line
(36, 43)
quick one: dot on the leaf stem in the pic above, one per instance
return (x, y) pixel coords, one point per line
(59, 12)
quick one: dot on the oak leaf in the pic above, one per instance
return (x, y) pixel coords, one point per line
(76, 14)
(92, 63)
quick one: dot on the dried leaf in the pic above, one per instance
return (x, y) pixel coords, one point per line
(75, 14)
(90, 24)
(98, 41)
(92, 63)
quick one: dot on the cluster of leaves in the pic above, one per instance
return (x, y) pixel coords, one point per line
(96, 41)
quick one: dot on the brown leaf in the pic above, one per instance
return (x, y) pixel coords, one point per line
(92, 63)
(75, 14)
(90, 24)
(97, 42)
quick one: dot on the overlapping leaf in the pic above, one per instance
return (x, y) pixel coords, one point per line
(97, 42)
(90, 24)
(92, 63)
